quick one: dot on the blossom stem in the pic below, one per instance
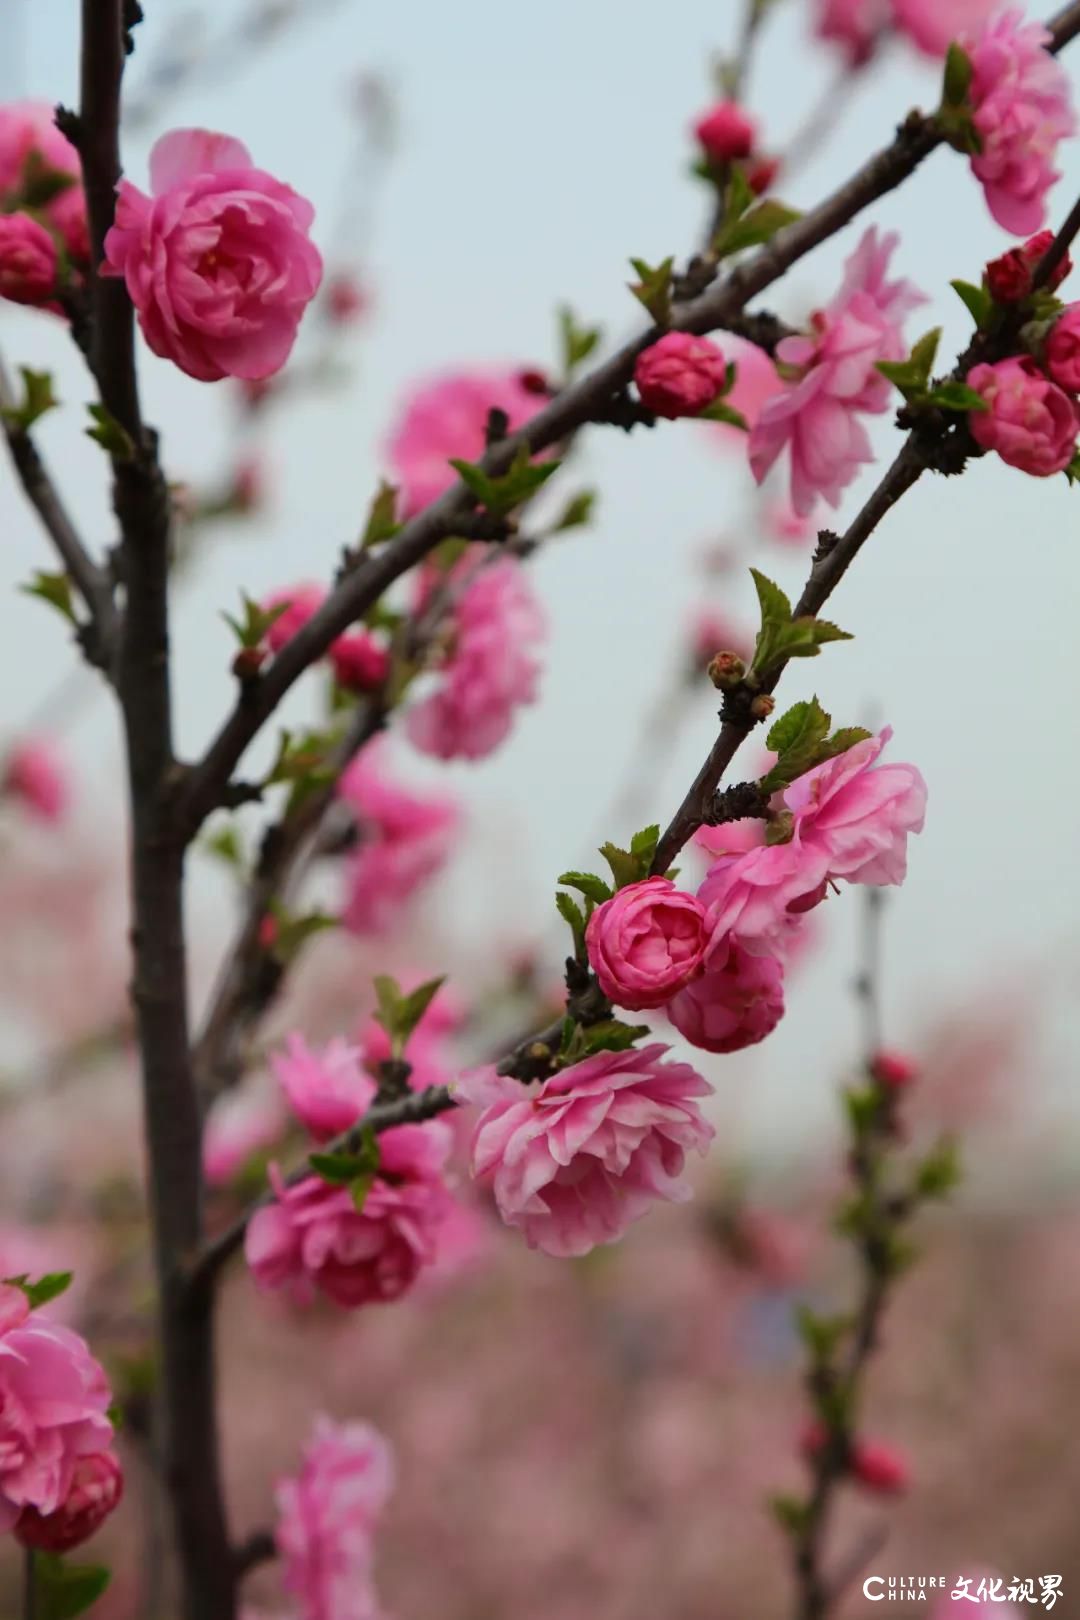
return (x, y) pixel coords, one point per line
(30, 1584)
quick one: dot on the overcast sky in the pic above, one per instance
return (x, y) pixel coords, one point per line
(535, 157)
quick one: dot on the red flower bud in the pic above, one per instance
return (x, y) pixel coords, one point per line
(97, 1484)
(893, 1069)
(879, 1467)
(725, 132)
(761, 173)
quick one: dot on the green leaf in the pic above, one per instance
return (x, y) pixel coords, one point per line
(803, 724)
(382, 521)
(925, 351)
(958, 75)
(939, 1173)
(577, 342)
(359, 1187)
(1072, 471)
(719, 411)
(256, 621)
(518, 484)
(340, 1169)
(643, 844)
(957, 396)
(653, 288)
(399, 1014)
(775, 606)
(611, 1035)
(738, 197)
(572, 913)
(54, 589)
(789, 1512)
(108, 432)
(475, 479)
(842, 740)
(577, 512)
(820, 1334)
(976, 300)
(593, 887)
(224, 842)
(294, 932)
(412, 1007)
(66, 1590)
(753, 229)
(48, 1287)
(387, 999)
(625, 868)
(38, 398)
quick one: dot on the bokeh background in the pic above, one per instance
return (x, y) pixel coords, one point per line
(475, 167)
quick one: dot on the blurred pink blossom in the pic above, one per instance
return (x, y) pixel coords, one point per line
(932, 25)
(29, 144)
(327, 1516)
(35, 775)
(241, 1123)
(328, 1090)
(405, 839)
(447, 417)
(735, 1002)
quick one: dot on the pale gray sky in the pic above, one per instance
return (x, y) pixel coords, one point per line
(536, 156)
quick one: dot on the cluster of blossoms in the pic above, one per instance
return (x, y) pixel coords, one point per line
(816, 418)
(1032, 415)
(59, 1475)
(317, 1236)
(359, 659)
(43, 232)
(858, 26)
(405, 838)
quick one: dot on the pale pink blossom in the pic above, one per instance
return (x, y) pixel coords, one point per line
(932, 25)
(97, 1484)
(32, 148)
(405, 839)
(756, 382)
(646, 942)
(1020, 99)
(327, 1516)
(447, 417)
(1031, 422)
(786, 526)
(28, 263)
(492, 668)
(818, 417)
(735, 1002)
(679, 374)
(574, 1161)
(241, 1123)
(34, 774)
(54, 1400)
(327, 1090)
(850, 819)
(855, 25)
(312, 1238)
(217, 260)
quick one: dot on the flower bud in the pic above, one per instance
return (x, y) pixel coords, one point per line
(28, 264)
(97, 1484)
(761, 173)
(726, 670)
(879, 1467)
(725, 132)
(762, 706)
(248, 662)
(893, 1069)
(680, 374)
(360, 664)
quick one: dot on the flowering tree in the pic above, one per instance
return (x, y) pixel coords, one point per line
(431, 629)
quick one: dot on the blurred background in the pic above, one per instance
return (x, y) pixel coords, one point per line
(472, 170)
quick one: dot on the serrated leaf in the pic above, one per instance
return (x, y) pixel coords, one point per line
(753, 229)
(957, 396)
(109, 433)
(976, 300)
(625, 868)
(653, 288)
(54, 589)
(382, 521)
(842, 740)
(643, 844)
(65, 1590)
(775, 606)
(38, 398)
(803, 725)
(588, 884)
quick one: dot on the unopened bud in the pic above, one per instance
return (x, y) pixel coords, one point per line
(248, 662)
(726, 670)
(762, 706)
(893, 1069)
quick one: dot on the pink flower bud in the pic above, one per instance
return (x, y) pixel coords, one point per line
(736, 1002)
(1010, 277)
(360, 663)
(646, 942)
(97, 1484)
(1031, 423)
(1036, 248)
(761, 173)
(1063, 350)
(346, 299)
(680, 375)
(893, 1069)
(27, 261)
(34, 775)
(301, 603)
(725, 132)
(879, 1467)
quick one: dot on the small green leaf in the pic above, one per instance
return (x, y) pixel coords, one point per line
(789, 1512)
(382, 521)
(958, 75)
(412, 1007)
(802, 725)
(224, 842)
(738, 197)
(66, 1590)
(625, 868)
(252, 628)
(643, 844)
(109, 433)
(359, 1187)
(719, 411)
(957, 396)
(54, 589)
(572, 913)
(38, 398)
(339, 1169)
(925, 351)
(653, 288)
(775, 606)
(520, 481)
(577, 512)
(593, 887)
(577, 342)
(939, 1173)
(753, 229)
(612, 1035)
(1072, 471)
(475, 479)
(976, 300)
(842, 740)
(48, 1287)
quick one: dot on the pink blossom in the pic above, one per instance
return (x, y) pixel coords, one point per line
(711, 631)
(574, 1161)
(1021, 106)
(788, 527)
(405, 839)
(879, 1467)
(491, 670)
(736, 1002)
(725, 132)
(327, 1515)
(28, 265)
(932, 25)
(54, 1398)
(217, 261)
(328, 1090)
(894, 1070)
(756, 382)
(679, 374)
(850, 819)
(313, 1238)
(1031, 423)
(1063, 350)
(346, 298)
(34, 774)
(646, 942)
(241, 1123)
(32, 147)
(447, 417)
(97, 1484)
(731, 837)
(360, 663)
(854, 25)
(817, 418)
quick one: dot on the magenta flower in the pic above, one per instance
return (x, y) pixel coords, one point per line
(54, 1398)
(97, 1484)
(1021, 104)
(492, 668)
(301, 602)
(313, 1239)
(327, 1515)
(679, 375)
(725, 132)
(33, 149)
(646, 942)
(405, 839)
(217, 261)
(932, 25)
(33, 774)
(574, 1161)
(447, 417)
(1031, 423)
(850, 819)
(328, 1091)
(736, 1002)
(360, 663)
(28, 263)
(817, 418)
(1063, 350)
